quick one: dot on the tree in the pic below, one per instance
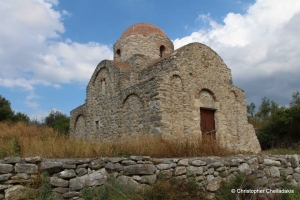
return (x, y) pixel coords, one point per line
(295, 100)
(266, 109)
(278, 126)
(58, 121)
(294, 111)
(6, 113)
(21, 117)
(251, 110)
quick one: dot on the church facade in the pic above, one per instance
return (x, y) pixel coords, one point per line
(150, 88)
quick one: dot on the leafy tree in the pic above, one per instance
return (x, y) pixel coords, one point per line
(58, 121)
(295, 103)
(21, 117)
(266, 109)
(6, 113)
(276, 125)
(251, 110)
(294, 112)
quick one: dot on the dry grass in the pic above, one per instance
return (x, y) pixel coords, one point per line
(26, 141)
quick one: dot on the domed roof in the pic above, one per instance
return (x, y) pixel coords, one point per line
(144, 29)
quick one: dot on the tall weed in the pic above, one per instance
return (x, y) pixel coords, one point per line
(23, 140)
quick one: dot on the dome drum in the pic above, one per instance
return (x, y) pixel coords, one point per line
(145, 39)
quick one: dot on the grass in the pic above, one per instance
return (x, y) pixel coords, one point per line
(23, 140)
(282, 151)
(171, 189)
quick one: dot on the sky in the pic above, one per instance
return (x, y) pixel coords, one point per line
(50, 48)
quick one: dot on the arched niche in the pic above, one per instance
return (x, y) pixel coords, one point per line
(207, 99)
(176, 106)
(132, 115)
(79, 127)
(101, 82)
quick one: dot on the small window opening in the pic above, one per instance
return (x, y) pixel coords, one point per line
(162, 48)
(118, 52)
(103, 85)
(97, 124)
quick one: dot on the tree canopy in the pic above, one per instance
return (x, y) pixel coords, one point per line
(276, 126)
(7, 114)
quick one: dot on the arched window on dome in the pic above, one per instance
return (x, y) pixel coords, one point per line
(118, 52)
(162, 49)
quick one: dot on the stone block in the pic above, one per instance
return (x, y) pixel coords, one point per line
(93, 179)
(6, 168)
(213, 186)
(26, 168)
(296, 176)
(113, 166)
(70, 194)
(51, 167)
(274, 172)
(245, 169)
(183, 162)
(12, 160)
(179, 171)
(198, 163)
(18, 192)
(33, 159)
(128, 182)
(165, 166)
(67, 174)
(59, 182)
(97, 164)
(270, 162)
(294, 160)
(149, 179)
(81, 171)
(5, 177)
(192, 170)
(139, 169)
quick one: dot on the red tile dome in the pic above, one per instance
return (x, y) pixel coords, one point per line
(144, 29)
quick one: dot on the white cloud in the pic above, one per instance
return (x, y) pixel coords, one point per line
(262, 47)
(30, 53)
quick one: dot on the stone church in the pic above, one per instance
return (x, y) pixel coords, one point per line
(150, 88)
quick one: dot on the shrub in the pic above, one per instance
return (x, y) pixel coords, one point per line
(240, 182)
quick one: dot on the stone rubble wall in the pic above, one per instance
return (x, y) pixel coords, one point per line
(164, 97)
(69, 176)
(148, 45)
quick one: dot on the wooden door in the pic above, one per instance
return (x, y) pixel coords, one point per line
(207, 123)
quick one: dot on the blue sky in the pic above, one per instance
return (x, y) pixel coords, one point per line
(50, 48)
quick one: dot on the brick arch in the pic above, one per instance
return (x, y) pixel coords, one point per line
(206, 87)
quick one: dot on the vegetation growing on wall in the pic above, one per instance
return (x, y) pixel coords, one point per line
(276, 126)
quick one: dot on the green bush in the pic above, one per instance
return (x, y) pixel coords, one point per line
(276, 126)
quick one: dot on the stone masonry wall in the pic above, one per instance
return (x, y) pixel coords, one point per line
(69, 176)
(164, 96)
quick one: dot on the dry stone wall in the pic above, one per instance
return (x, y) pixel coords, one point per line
(69, 176)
